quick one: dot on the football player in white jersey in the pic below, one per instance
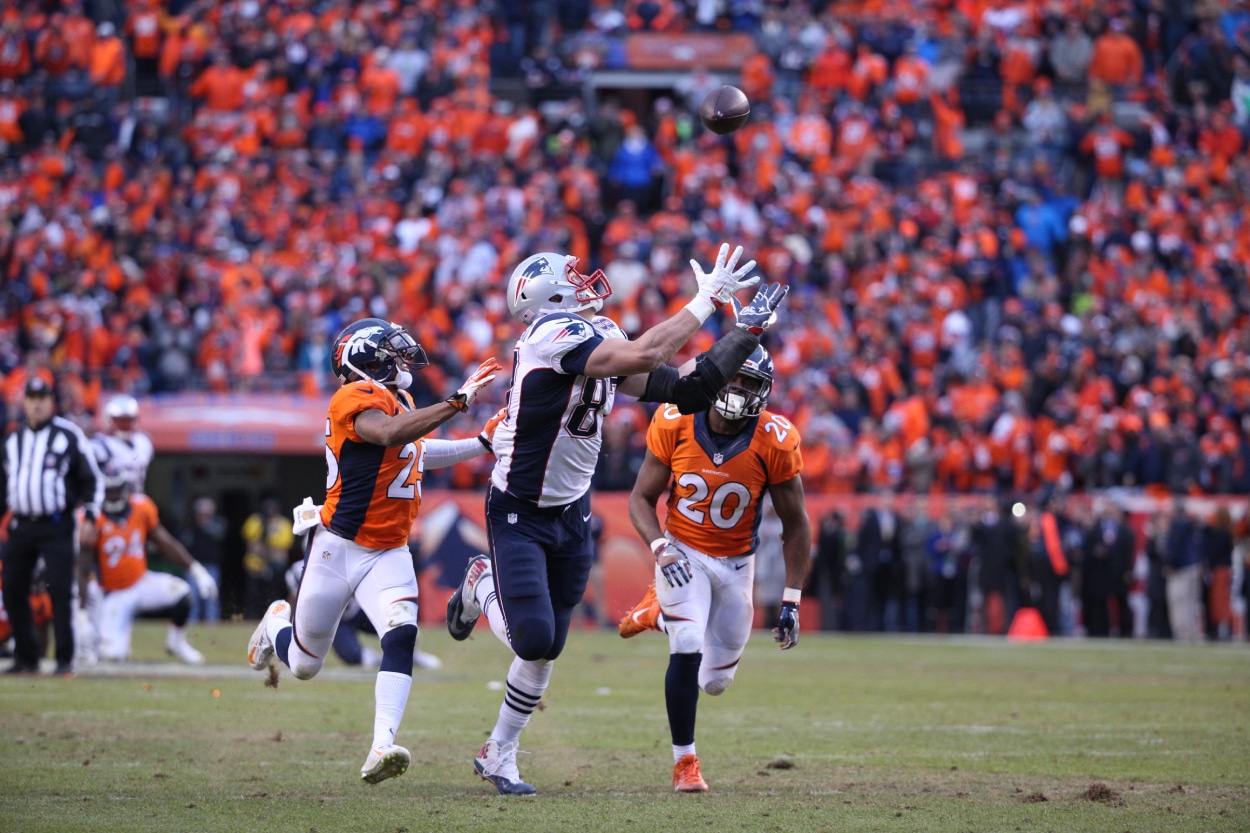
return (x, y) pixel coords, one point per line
(125, 449)
(567, 368)
(122, 443)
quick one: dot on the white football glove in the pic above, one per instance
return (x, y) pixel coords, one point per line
(483, 376)
(726, 276)
(204, 584)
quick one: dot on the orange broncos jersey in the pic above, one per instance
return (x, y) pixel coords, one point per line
(121, 551)
(718, 482)
(372, 492)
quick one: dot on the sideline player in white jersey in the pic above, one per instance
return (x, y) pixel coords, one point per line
(122, 443)
(721, 463)
(127, 451)
(567, 368)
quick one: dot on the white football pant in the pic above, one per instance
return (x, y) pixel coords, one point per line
(119, 608)
(712, 613)
(382, 582)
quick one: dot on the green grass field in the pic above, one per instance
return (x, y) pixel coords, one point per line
(841, 734)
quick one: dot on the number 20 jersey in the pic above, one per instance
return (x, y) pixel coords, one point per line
(719, 481)
(372, 492)
(547, 446)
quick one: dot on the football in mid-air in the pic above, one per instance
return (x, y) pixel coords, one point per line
(725, 110)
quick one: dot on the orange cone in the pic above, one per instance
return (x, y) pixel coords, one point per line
(1027, 626)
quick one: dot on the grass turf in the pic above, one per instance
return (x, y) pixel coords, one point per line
(841, 734)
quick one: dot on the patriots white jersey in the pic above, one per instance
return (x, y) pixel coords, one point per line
(132, 457)
(547, 446)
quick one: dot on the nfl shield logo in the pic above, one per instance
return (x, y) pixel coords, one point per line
(512, 517)
(718, 458)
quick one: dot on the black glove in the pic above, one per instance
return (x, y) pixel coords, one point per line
(787, 630)
(759, 315)
(678, 573)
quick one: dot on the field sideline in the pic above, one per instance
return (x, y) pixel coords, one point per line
(843, 733)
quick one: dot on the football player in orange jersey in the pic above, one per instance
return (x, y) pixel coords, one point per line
(722, 462)
(375, 456)
(116, 550)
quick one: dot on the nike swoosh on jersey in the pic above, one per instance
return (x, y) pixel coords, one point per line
(740, 566)
(586, 518)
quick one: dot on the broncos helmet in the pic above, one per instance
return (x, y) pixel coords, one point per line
(120, 415)
(117, 489)
(375, 349)
(548, 282)
(736, 402)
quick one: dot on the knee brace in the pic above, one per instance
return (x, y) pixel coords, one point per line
(400, 613)
(683, 637)
(716, 685)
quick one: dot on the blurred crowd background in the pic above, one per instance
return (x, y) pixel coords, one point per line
(1015, 229)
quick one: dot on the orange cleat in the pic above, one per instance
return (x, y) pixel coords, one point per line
(686, 776)
(644, 617)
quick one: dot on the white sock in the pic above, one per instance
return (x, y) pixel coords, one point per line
(176, 635)
(390, 695)
(489, 600)
(680, 752)
(527, 680)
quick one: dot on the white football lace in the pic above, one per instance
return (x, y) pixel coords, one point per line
(504, 764)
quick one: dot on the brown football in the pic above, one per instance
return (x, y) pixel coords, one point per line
(725, 110)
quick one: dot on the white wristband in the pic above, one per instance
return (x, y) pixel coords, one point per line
(791, 595)
(657, 545)
(701, 307)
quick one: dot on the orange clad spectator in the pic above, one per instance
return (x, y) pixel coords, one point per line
(1107, 143)
(143, 27)
(1117, 58)
(220, 85)
(52, 49)
(380, 84)
(829, 73)
(811, 136)
(855, 140)
(948, 124)
(108, 57)
(1222, 141)
(869, 72)
(757, 77)
(14, 53)
(11, 109)
(911, 77)
(80, 34)
(1017, 68)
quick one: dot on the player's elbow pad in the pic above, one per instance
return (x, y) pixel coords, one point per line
(713, 369)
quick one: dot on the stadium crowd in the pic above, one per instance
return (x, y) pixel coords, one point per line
(1014, 230)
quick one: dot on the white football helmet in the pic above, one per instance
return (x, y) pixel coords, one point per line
(121, 413)
(548, 282)
(747, 392)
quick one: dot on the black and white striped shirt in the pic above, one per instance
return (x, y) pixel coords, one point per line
(50, 471)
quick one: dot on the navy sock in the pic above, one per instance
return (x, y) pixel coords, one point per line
(397, 648)
(282, 645)
(681, 695)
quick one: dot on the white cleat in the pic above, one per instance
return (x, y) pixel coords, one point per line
(259, 647)
(423, 660)
(176, 645)
(383, 763)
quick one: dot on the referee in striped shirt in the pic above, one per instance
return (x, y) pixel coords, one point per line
(50, 470)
